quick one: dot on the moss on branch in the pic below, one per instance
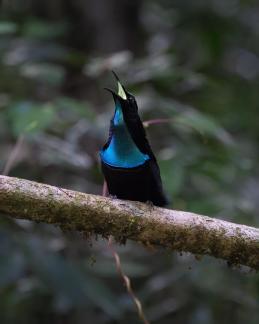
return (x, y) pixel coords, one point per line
(176, 230)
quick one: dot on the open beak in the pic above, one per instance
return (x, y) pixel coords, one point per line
(121, 90)
(122, 93)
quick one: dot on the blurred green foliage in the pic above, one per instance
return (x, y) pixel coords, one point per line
(196, 63)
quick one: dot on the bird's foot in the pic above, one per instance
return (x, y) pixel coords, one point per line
(112, 196)
(150, 203)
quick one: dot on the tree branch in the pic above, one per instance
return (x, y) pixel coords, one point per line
(176, 230)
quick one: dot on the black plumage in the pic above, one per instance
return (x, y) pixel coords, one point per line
(134, 182)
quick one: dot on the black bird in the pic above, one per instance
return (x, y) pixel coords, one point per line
(128, 163)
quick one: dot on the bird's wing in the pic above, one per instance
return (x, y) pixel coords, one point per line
(138, 134)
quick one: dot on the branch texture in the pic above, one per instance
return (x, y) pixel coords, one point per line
(153, 226)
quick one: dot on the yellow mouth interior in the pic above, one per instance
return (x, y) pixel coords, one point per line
(121, 91)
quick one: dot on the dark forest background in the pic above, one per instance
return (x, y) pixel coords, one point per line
(196, 62)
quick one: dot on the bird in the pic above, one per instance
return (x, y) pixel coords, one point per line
(128, 163)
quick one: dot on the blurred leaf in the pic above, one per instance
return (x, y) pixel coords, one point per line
(29, 117)
(52, 74)
(175, 171)
(7, 27)
(41, 29)
(203, 124)
(82, 109)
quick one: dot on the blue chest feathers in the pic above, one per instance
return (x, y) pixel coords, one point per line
(122, 152)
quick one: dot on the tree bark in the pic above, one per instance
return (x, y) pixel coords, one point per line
(152, 226)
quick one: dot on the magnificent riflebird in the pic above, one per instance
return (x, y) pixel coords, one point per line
(128, 164)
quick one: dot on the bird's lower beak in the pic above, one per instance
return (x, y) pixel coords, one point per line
(111, 91)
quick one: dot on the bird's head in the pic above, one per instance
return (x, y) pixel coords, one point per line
(125, 103)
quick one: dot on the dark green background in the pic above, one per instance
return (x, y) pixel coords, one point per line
(196, 62)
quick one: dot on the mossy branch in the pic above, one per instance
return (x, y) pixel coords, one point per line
(171, 229)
